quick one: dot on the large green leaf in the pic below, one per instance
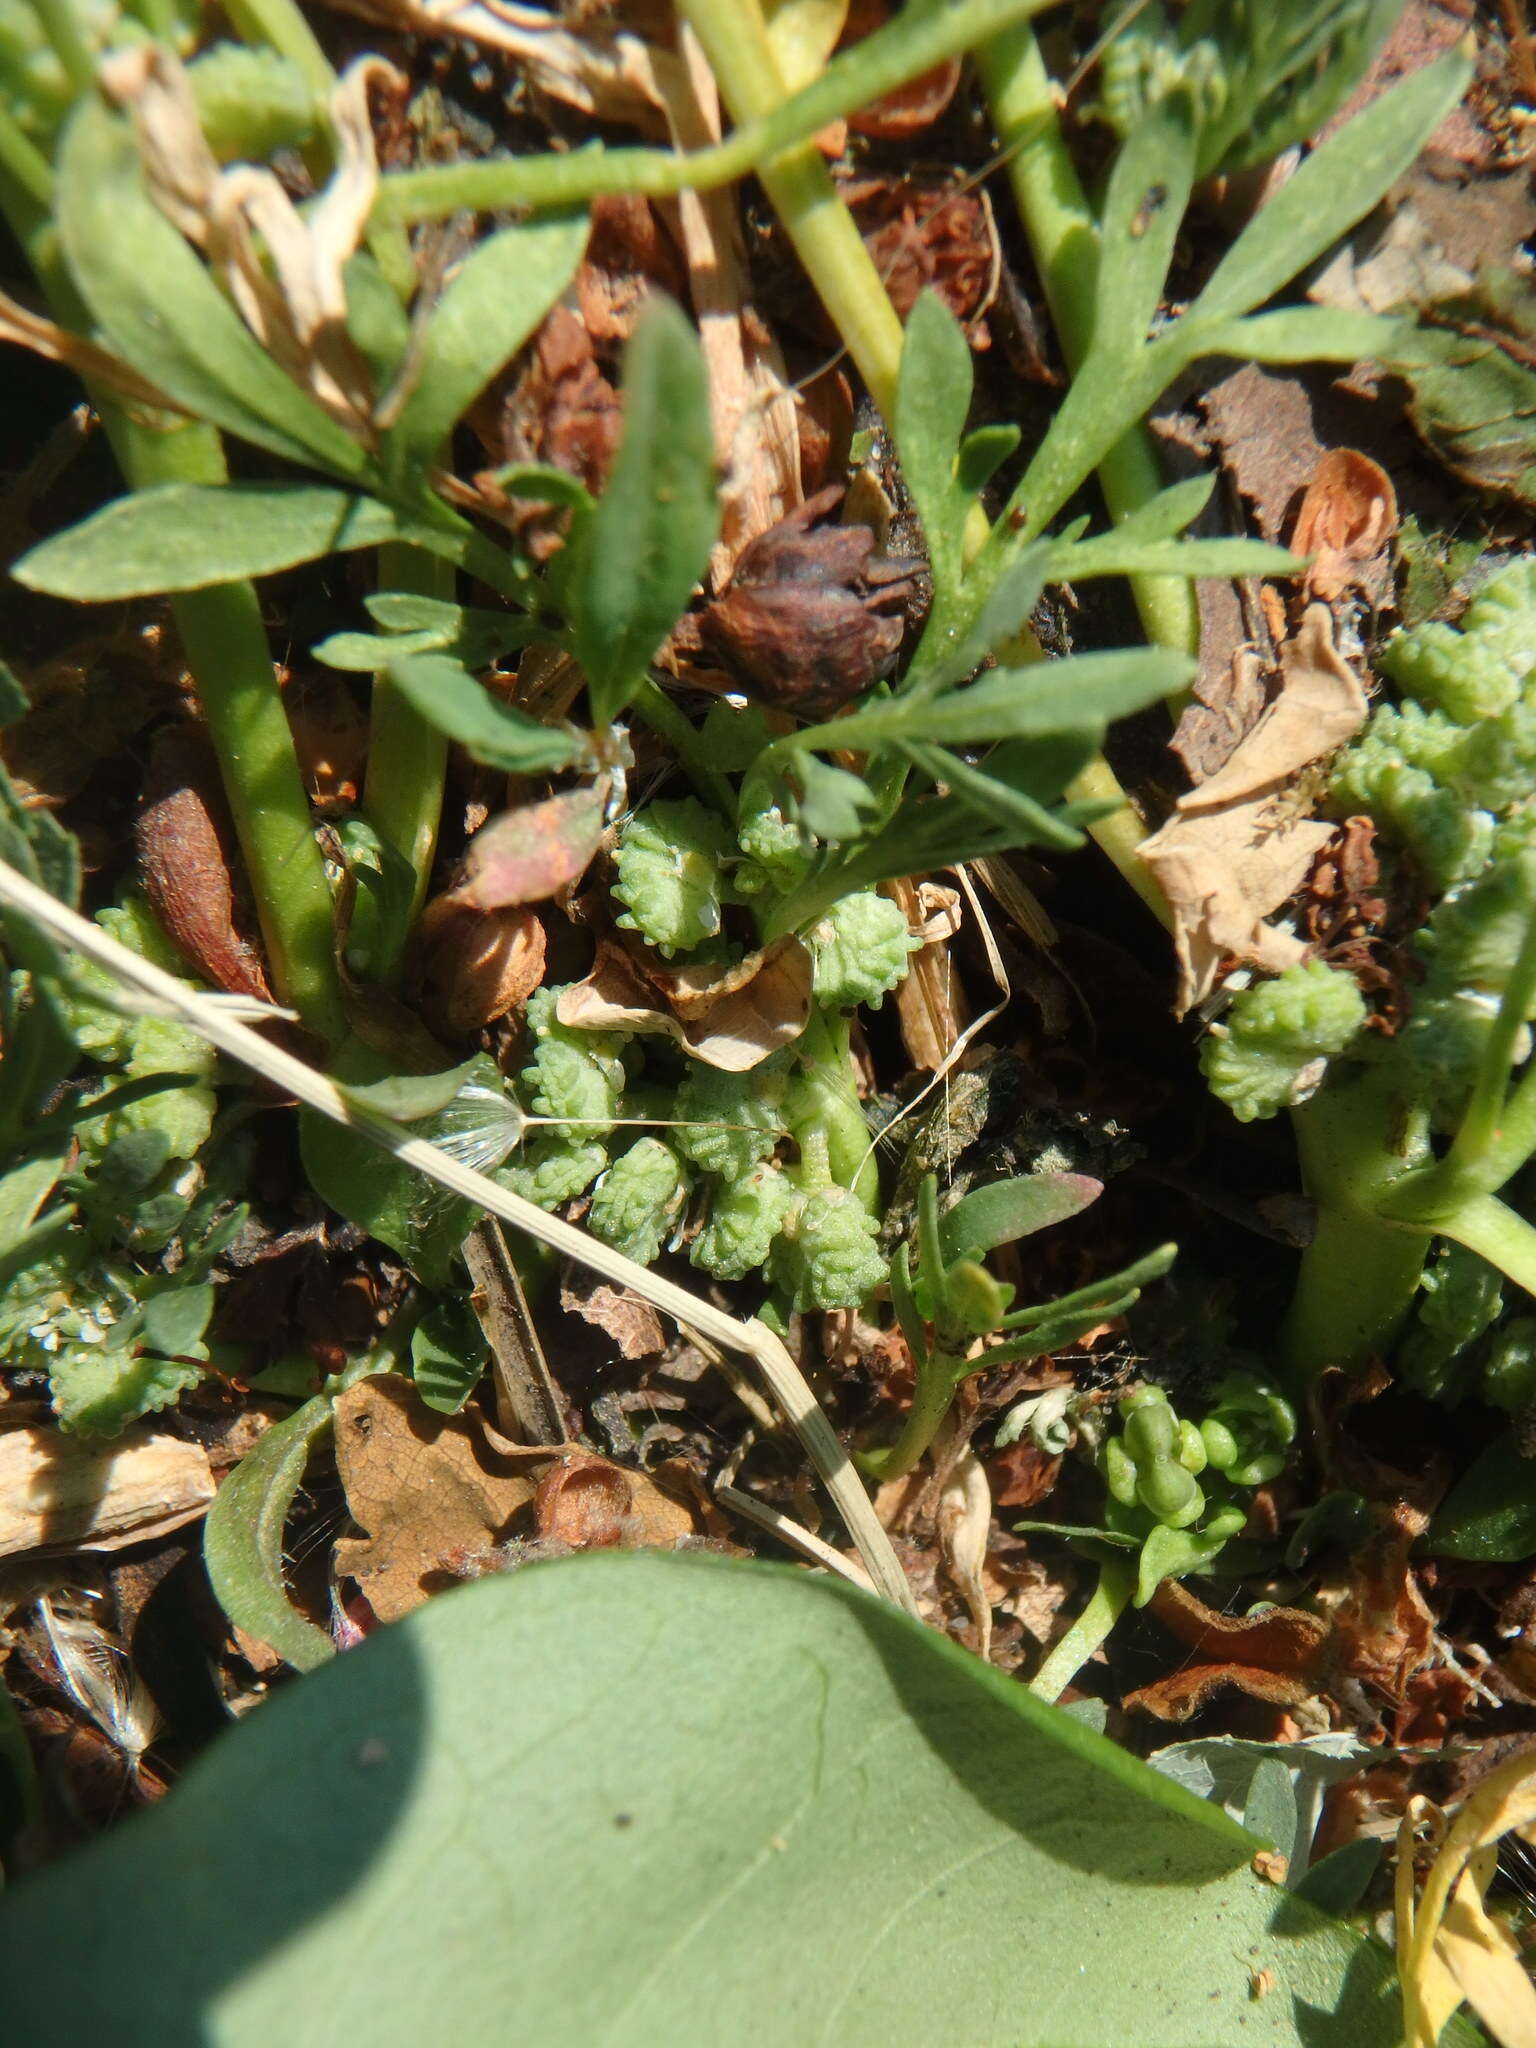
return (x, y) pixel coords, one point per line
(639, 1799)
(160, 310)
(443, 692)
(189, 536)
(1489, 1515)
(500, 294)
(636, 559)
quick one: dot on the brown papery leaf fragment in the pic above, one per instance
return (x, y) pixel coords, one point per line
(1239, 846)
(185, 842)
(1347, 522)
(429, 1490)
(1278, 1655)
(633, 1324)
(731, 1019)
(476, 965)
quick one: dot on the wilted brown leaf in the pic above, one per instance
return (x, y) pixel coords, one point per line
(529, 854)
(186, 841)
(430, 1491)
(1278, 1655)
(476, 965)
(731, 1019)
(592, 1504)
(1238, 847)
(1347, 523)
(633, 1324)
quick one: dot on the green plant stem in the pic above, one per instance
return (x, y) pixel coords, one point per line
(1498, 1130)
(657, 709)
(282, 27)
(932, 1398)
(62, 27)
(1108, 1601)
(26, 180)
(226, 646)
(1359, 1274)
(912, 43)
(1063, 237)
(407, 757)
(1494, 1231)
(827, 240)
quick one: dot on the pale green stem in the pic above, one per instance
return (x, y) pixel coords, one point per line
(1491, 1142)
(1358, 1276)
(660, 713)
(226, 646)
(407, 757)
(26, 181)
(1492, 1229)
(1108, 1601)
(826, 237)
(910, 44)
(932, 1398)
(62, 28)
(282, 27)
(1063, 236)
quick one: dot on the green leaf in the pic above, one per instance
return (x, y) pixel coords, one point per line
(1000, 800)
(13, 698)
(742, 1796)
(98, 1391)
(1335, 187)
(638, 557)
(1143, 212)
(1489, 1515)
(176, 1319)
(188, 536)
(982, 454)
(933, 396)
(1295, 334)
(833, 803)
(159, 308)
(448, 1354)
(1339, 1881)
(1270, 1808)
(243, 1537)
(491, 306)
(444, 692)
(409, 1097)
(1010, 1209)
(1083, 691)
(25, 1188)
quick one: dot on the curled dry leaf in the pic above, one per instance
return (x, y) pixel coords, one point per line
(963, 1522)
(633, 1324)
(284, 270)
(1240, 845)
(185, 841)
(63, 1493)
(89, 361)
(429, 1491)
(1347, 523)
(476, 965)
(731, 1018)
(1279, 1655)
(911, 107)
(1227, 706)
(592, 1504)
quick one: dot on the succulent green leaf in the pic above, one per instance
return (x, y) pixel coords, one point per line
(1010, 1209)
(448, 1354)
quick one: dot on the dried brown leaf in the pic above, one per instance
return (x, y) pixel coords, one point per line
(185, 840)
(1238, 847)
(592, 1504)
(430, 1491)
(633, 1324)
(1347, 523)
(731, 1020)
(1276, 1655)
(476, 965)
